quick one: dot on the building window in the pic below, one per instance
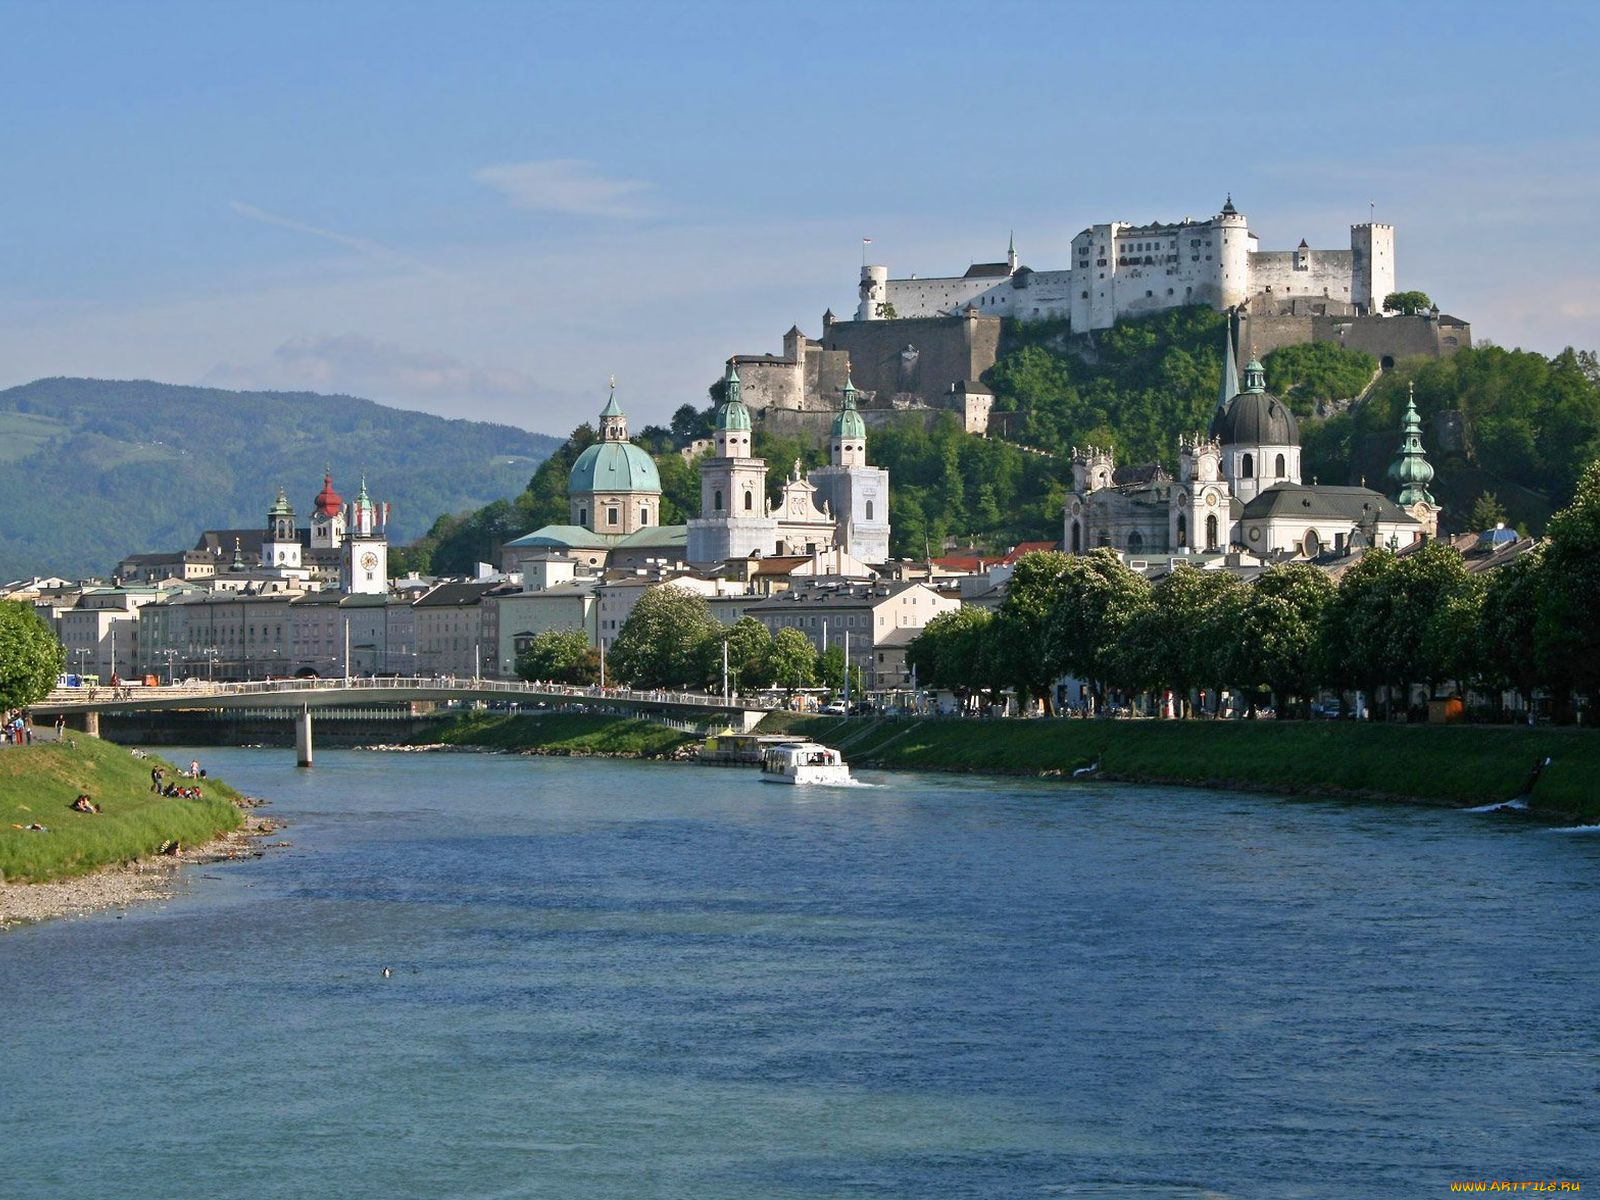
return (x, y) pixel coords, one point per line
(1077, 538)
(749, 502)
(612, 515)
(1281, 467)
(644, 514)
(869, 510)
(1211, 533)
(1135, 542)
(583, 516)
(1183, 531)
(716, 500)
(1247, 466)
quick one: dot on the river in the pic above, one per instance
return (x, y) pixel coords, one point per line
(619, 979)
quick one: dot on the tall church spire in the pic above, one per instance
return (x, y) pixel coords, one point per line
(1230, 372)
(1411, 468)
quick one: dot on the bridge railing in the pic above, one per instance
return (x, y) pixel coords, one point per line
(451, 686)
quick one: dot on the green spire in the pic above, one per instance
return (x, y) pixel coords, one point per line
(280, 506)
(361, 497)
(238, 555)
(732, 414)
(734, 387)
(848, 423)
(1411, 468)
(612, 408)
(1230, 372)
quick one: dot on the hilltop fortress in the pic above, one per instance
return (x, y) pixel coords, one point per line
(919, 346)
(1118, 270)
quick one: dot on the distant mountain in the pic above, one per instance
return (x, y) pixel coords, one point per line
(93, 469)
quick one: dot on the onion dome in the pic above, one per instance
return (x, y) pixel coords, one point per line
(328, 502)
(280, 506)
(732, 414)
(847, 422)
(1255, 417)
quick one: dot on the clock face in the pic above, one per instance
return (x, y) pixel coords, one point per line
(1212, 500)
(369, 561)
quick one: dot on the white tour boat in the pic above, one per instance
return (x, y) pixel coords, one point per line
(803, 762)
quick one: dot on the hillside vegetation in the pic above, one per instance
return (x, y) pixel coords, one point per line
(93, 469)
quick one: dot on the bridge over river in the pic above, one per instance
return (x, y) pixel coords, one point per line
(301, 696)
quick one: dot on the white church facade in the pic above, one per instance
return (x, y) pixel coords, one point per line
(1239, 489)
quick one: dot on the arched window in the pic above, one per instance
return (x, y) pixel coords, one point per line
(716, 500)
(869, 510)
(1247, 466)
(749, 502)
(1311, 543)
(1135, 542)
(1077, 538)
(1283, 467)
(1211, 533)
(1183, 531)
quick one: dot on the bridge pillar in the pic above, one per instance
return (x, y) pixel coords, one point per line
(91, 724)
(302, 738)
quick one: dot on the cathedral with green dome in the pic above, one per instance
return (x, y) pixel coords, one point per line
(614, 499)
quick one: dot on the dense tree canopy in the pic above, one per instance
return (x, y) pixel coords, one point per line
(659, 645)
(30, 656)
(560, 656)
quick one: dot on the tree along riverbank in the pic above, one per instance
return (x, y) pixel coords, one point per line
(561, 733)
(39, 783)
(1459, 765)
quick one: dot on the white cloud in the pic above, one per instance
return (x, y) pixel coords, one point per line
(362, 366)
(566, 185)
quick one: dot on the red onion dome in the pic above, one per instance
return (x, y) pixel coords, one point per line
(328, 501)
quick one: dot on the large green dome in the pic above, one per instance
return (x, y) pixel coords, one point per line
(847, 423)
(614, 467)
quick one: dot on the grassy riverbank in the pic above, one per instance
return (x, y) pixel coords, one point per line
(39, 783)
(1455, 765)
(562, 733)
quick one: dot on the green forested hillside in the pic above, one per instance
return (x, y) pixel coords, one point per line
(92, 469)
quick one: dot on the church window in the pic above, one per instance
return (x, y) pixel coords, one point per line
(612, 515)
(1312, 543)
(1135, 542)
(583, 516)
(644, 514)
(1077, 538)
(1183, 531)
(1247, 466)
(1211, 533)
(716, 500)
(1105, 538)
(749, 502)
(869, 510)
(1282, 471)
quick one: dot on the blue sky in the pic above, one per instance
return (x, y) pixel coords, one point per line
(487, 209)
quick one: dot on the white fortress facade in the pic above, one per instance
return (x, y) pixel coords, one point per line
(1121, 270)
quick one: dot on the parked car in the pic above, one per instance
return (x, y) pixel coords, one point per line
(835, 709)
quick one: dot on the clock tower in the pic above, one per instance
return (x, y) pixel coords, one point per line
(364, 557)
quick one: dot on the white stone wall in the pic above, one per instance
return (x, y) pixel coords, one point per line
(1290, 273)
(858, 498)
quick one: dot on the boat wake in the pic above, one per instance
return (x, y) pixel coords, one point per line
(1575, 829)
(1517, 805)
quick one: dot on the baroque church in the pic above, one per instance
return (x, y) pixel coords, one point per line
(614, 499)
(1239, 489)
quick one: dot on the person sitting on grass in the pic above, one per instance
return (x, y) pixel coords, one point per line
(85, 805)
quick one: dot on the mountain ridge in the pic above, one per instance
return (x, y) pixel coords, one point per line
(94, 469)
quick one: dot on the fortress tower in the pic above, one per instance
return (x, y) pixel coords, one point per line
(1372, 274)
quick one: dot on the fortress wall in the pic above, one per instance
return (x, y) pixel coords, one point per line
(935, 297)
(948, 350)
(771, 384)
(1392, 337)
(1328, 273)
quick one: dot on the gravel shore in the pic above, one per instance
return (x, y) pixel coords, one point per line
(155, 878)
